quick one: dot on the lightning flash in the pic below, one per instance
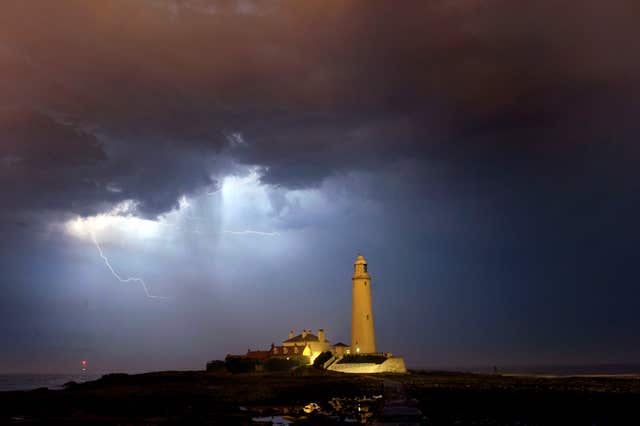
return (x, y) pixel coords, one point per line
(118, 277)
(252, 232)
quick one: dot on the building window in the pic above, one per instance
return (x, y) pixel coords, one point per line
(367, 316)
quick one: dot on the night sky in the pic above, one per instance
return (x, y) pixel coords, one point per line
(237, 155)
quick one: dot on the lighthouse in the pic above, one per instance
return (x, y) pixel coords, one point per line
(363, 338)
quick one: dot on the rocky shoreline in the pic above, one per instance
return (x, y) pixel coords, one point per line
(198, 397)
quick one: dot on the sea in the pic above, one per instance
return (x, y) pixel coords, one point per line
(20, 382)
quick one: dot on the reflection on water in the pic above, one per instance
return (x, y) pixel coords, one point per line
(274, 420)
(338, 410)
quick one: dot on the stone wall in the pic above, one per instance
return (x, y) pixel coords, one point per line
(391, 365)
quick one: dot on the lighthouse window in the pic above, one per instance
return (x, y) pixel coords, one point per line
(365, 267)
(365, 283)
(367, 316)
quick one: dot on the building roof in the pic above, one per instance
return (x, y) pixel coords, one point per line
(340, 344)
(360, 260)
(309, 338)
(261, 355)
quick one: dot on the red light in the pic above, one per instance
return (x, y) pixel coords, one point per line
(84, 362)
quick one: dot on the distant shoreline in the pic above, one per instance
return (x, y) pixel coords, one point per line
(560, 370)
(556, 376)
(30, 381)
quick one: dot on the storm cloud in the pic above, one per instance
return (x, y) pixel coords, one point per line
(313, 88)
(493, 137)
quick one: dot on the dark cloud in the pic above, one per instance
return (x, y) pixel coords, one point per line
(483, 151)
(36, 141)
(318, 88)
(46, 163)
(51, 165)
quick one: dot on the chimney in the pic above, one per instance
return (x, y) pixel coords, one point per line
(304, 334)
(290, 334)
(320, 335)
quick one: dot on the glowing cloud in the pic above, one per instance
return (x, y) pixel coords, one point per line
(120, 219)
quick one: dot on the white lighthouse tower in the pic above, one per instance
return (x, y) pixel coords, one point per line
(363, 338)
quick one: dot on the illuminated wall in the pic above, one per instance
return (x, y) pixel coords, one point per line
(363, 339)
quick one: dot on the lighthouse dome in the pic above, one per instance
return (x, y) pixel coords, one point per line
(360, 260)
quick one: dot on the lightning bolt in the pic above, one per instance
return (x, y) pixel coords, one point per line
(118, 277)
(251, 232)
